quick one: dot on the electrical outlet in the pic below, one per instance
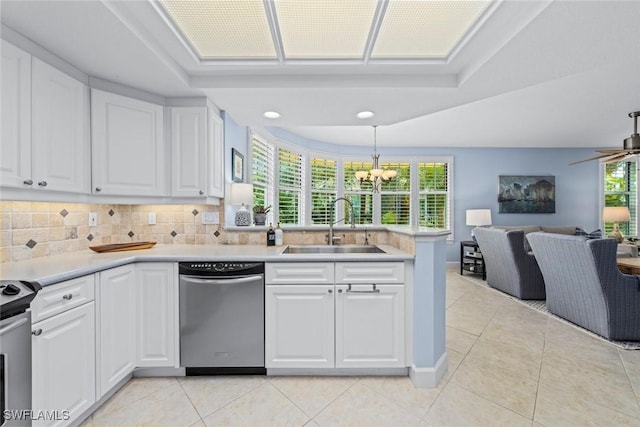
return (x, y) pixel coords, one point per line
(211, 218)
(152, 218)
(93, 219)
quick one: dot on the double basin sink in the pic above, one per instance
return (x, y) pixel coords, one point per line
(326, 249)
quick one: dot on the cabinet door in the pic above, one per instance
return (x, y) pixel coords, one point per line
(128, 150)
(116, 349)
(60, 123)
(215, 156)
(63, 362)
(299, 326)
(15, 145)
(189, 152)
(370, 326)
(156, 321)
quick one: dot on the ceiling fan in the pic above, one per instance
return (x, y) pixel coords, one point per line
(631, 146)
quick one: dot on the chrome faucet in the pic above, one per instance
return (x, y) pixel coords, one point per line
(331, 223)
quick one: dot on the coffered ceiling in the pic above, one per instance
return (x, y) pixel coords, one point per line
(537, 73)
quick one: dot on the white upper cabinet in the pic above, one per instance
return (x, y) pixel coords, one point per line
(128, 156)
(15, 148)
(215, 156)
(45, 122)
(189, 152)
(60, 123)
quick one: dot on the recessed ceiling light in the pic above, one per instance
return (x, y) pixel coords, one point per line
(271, 114)
(365, 114)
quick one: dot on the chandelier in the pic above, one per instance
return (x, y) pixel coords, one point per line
(376, 175)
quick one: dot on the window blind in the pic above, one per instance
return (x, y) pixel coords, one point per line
(621, 189)
(262, 169)
(323, 189)
(434, 198)
(290, 186)
(359, 194)
(395, 199)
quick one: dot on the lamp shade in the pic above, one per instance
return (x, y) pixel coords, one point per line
(241, 194)
(479, 217)
(616, 214)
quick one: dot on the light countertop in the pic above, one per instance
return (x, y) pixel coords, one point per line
(57, 268)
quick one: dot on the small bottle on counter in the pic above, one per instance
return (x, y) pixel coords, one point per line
(279, 235)
(271, 236)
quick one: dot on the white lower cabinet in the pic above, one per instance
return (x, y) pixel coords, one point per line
(63, 355)
(116, 341)
(370, 326)
(156, 315)
(299, 326)
(340, 325)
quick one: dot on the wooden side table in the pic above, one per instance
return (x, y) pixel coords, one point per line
(629, 265)
(471, 259)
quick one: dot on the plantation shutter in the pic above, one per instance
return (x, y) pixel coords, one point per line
(621, 189)
(435, 208)
(359, 194)
(395, 195)
(323, 189)
(290, 186)
(262, 168)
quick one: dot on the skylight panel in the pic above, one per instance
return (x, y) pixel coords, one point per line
(313, 29)
(425, 29)
(224, 29)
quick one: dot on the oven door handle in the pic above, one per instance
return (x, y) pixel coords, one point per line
(11, 326)
(230, 281)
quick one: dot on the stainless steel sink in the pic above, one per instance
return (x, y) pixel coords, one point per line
(326, 249)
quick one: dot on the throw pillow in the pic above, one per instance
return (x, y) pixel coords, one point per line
(595, 234)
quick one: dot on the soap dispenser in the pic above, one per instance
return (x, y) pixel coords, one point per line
(271, 236)
(279, 235)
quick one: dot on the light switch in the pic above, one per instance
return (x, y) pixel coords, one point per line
(211, 218)
(152, 218)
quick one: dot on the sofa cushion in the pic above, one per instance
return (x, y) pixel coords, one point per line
(559, 229)
(526, 228)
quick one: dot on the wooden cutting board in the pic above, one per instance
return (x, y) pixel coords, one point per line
(117, 247)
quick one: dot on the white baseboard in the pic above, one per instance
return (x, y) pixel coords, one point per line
(429, 377)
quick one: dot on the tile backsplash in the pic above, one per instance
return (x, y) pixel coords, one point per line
(37, 229)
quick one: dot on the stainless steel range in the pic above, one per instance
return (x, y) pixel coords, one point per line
(15, 351)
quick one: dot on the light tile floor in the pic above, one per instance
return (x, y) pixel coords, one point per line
(509, 365)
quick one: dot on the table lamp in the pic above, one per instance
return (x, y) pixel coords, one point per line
(478, 218)
(616, 214)
(242, 194)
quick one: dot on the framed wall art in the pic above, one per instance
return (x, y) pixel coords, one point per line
(237, 166)
(526, 194)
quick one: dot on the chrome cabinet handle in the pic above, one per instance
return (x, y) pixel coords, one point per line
(37, 332)
(28, 182)
(67, 296)
(372, 291)
(42, 183)
(98, 189)
(201, 192)
(339, 291)
(330, 291)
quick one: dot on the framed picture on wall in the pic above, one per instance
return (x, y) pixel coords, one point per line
(526, 194)
(237, 166)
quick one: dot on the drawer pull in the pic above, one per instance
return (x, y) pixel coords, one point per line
(67, 296)
(42, 183)
(37, 332)
(374, 290)
(28, 182)
(330, 291)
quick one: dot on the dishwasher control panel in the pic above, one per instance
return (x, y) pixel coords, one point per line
(201, 268)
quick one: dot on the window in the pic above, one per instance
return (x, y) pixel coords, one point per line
(323, 189)
(290, 185)
(301, 187)
(359, 194)
(620, 189)
(433, 194)
(262, 167)
(395, 196)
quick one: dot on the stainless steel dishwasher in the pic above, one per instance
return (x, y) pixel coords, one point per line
(222, 318)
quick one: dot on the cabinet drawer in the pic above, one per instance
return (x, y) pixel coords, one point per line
(60, 297)
(296, 273)
(369, 272)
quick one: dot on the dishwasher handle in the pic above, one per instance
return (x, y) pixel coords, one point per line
(226, 281)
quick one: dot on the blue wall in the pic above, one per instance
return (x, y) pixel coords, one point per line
(475, 180)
